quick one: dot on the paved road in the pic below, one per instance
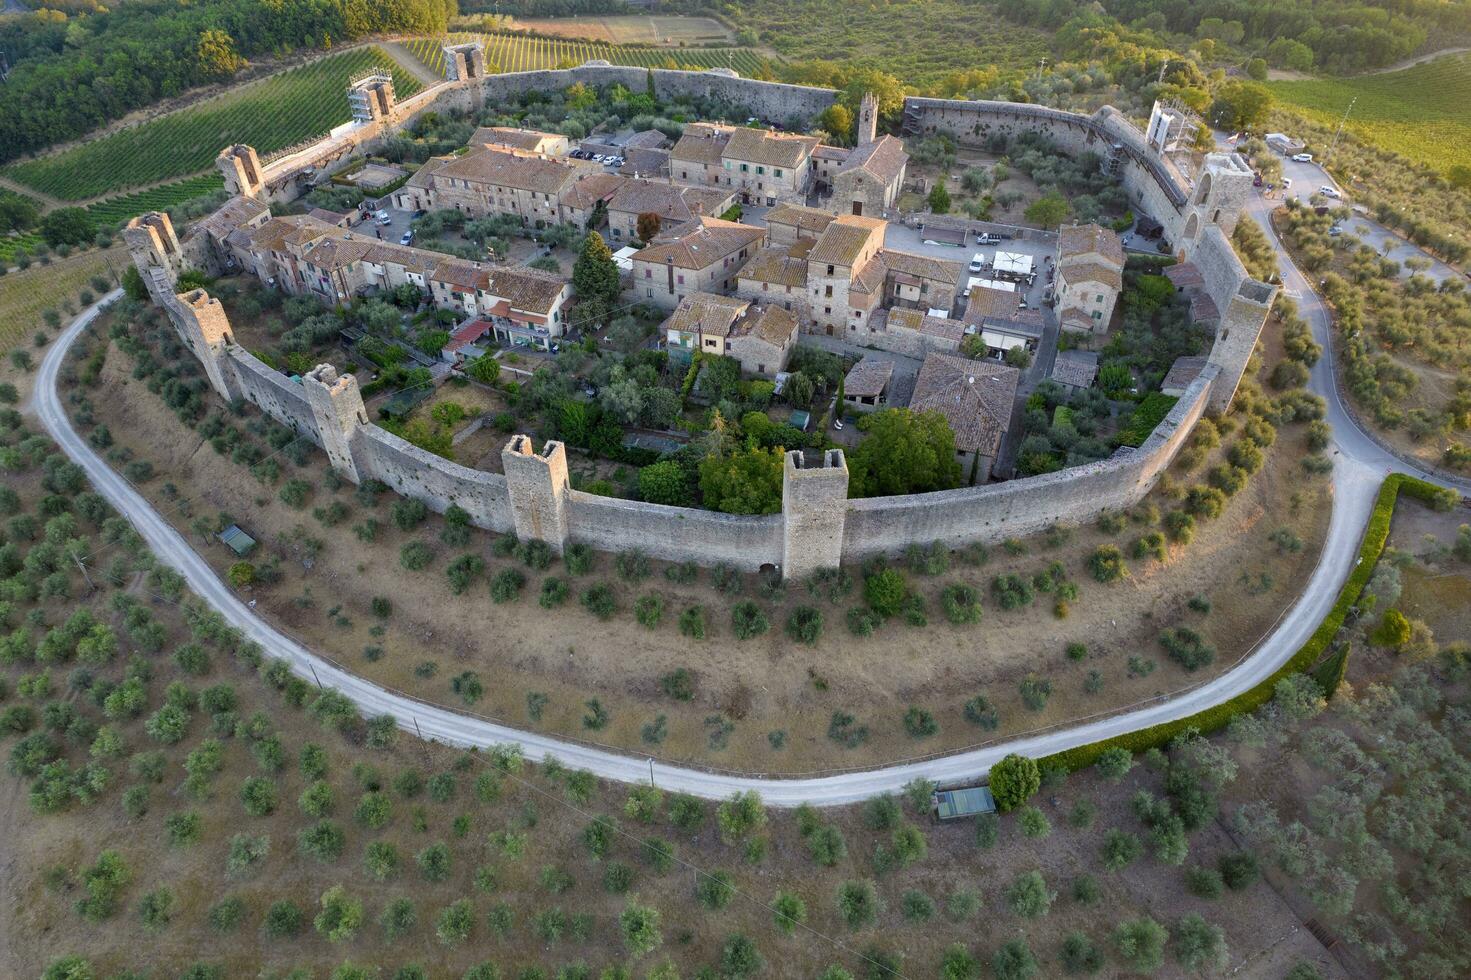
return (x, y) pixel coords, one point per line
(1360, 465)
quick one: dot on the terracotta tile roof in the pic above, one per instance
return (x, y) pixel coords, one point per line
(706, 313)
(770, 148)
(780, 266)
(770, 324)
(700, 144)
(936, 270)
(331, 254)
(1077, 272)
(884, 158)
(1076, 317)
(423, 178)
(845, 238)
(529, 290)
(507, 168)
(905, 318)
(1076, 368)
(987, 302)
(868, 279)
(1079, 240)
(457, 272)
(645, 162)
(1184, 275)
(825, 152)
(868, 378)
(700, 242)
(810, 220)
(1203, 309)
(467, 335)
(278, 234)
(516, 139)
(976, 398)
(588, 190)
(674, 203)
(646, 139)
(1183, 371)
(235, 213)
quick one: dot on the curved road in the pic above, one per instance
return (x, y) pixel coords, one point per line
(1360, 465)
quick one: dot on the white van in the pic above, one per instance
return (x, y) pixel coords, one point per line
(977, 262)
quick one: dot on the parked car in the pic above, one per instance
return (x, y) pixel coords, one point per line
(977, 262)
(1302, 158)
(382, 215)
(1328, 190)
(407, 239)
(1335, 231)
(1287, 183)
(385, 220)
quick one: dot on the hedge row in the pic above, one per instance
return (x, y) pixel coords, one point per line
(1216, 717)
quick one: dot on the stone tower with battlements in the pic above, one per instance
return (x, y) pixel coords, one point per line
(537, 485)
(202, 325)
(1217, 199)
(337, 407)
(241, 169)
(814, 506)
(1243, 304)
(464, 62)
(153, 245)
(868, 119)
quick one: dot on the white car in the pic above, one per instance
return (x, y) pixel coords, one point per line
(977, 262)
(1328, 191)
(382, 215)
(1302, 158)
(1287, 183)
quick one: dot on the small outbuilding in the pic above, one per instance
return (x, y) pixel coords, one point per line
(868, 382)
(237, 540)
(953, 804)
(1075, 368)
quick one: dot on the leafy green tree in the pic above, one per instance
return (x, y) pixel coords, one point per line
(789, 911)
(665, 482)
(903, 452)
(1240, 105)
(747, 481)
(939, 198)
(1198, 945)
(740, 816)
(1014, 961)
(640, 927)
(886, 591)
(341, 915)
(1027, 895)
(858, 904)
(1048, 211)
(455, 923)
(1014, 780)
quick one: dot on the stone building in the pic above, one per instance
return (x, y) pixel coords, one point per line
(761, 166)
(702, 255)
(760, 337)
(994, 316)
(976, 398)
(675, 204)
(1090, 275)
(495, 180)
(525, 140)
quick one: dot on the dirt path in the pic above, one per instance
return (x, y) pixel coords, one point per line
(1412, 62)
(46, 200)
(412, 65)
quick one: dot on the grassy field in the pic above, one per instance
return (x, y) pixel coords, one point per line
(632, 30)
(1419, 112)
(280, 111)
(25, 295)
(518, 52)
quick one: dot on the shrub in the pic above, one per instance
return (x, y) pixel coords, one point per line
(1034, 822)
(1011, 591)
(632, 566)
(578, 558)
(858, 903)
(1198, 945)
(1187, 648)
(789, 911)
(1028, 897)
(961, 603)
(1239, 870)
(648, 610)
(1107, 564)
(885, 592)
(919, 723)
(415, 556)
(1140, 943)
(844, 729)
(463, 571)
(1120, 849)
(553, 592)
(862, 621)
(1204, 882)
(747, 620)
(1080, 954)
(1035, 691)
(692, 623)
(804, 625)
(599, 600)
(714, 890)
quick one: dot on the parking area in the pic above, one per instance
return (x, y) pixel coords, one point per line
(905, 239)
(398, 223)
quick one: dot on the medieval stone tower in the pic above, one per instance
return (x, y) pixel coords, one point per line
(814, 506)
(241, 169)
(464, 62)
(370, 96)
(537, 484)
(202, 324)
(868, 119)
(337, 407)
(1219, 195)
(153, 245)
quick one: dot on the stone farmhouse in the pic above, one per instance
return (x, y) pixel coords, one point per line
(526, 140)
(1090, 275)
(976, 399)
(761, 338)
(702, 255)
(674, 204)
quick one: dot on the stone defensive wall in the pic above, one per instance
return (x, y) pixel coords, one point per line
(818, 525)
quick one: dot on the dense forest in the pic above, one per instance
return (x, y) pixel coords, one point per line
(73, 72)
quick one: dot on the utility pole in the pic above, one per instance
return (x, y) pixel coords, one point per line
(1041, 67)
(1162, 68)
(93, 588)
(1339, 131)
